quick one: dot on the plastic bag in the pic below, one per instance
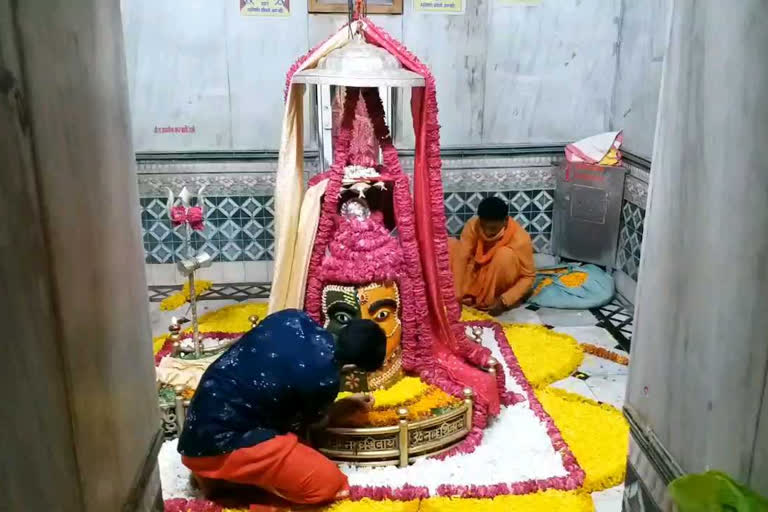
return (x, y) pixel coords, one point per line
(714, 492)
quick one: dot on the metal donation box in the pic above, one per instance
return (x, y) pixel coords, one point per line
(587, 212)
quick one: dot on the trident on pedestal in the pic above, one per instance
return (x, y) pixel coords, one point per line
(192, 219)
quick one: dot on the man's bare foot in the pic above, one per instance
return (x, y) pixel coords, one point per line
(207, 487)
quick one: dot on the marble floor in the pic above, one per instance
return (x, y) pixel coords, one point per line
(609, 327)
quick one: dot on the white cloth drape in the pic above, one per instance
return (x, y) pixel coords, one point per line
(295, 224)
(305, 240)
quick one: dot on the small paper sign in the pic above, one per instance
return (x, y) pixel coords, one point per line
(265, 8)
(439, 6)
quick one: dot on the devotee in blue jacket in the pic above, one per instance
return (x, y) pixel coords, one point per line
(272, 384)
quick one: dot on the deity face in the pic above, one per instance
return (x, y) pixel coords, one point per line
(379, 302)
(340, 306)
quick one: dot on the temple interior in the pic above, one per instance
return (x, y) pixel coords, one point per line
(506, 255)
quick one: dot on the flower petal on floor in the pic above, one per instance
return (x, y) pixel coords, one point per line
(544, 355)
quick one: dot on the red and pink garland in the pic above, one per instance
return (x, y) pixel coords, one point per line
(421, 354)
(362, 251)
(434, 342)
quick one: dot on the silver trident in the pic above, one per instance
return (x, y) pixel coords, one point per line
(192, 262)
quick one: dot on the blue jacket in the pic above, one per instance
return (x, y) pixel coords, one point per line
(278, 378)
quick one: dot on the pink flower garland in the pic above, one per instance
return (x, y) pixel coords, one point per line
(182, 505)
(362, 252)
(404, 493)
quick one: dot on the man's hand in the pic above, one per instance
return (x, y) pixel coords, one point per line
(364, 401)
(346, 408)
(497, 308)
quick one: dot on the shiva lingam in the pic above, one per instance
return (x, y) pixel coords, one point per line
(361, 271)
(378, 249)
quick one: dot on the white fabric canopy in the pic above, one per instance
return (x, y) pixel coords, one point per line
(295, 223)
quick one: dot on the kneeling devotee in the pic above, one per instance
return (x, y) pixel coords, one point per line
(492, 264)
(276, 381)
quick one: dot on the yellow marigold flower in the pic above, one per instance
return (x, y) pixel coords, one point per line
(177, 300)
(605, 354)
(420, 409)
(472, 315)
(543, 284)
(229, 319)
(550, 501)
(545, 356)
(574, 279)
(232, 319)
(172, 302)
(597, 434)
(403, 391)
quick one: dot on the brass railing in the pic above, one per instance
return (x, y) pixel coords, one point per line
(399, 444)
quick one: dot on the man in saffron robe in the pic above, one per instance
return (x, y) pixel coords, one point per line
(492, 264)
(276, 381)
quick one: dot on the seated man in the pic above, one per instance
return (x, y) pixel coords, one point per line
(492, 264)
(276, 381)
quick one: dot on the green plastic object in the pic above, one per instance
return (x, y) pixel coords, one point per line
(714, 492)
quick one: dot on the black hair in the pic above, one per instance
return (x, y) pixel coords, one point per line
(362, 343)
(492, 208)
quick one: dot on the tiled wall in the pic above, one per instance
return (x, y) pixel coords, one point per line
(632, 220)
(237, 228)
(240, 206)
(240, 228)
(239, 202)
(630, 239)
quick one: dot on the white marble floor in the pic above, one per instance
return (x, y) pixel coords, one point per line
(596, 378)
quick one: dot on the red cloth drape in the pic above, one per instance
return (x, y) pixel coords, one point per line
(448, 336)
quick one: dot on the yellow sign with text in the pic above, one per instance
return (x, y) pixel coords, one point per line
(265, 7)
(439, 6)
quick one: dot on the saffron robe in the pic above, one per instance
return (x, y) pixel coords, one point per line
(485, 271)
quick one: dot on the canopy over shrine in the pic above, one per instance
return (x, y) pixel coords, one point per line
(311, 224)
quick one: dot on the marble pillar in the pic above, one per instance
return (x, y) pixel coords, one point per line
(80, 423)
(697, 385)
